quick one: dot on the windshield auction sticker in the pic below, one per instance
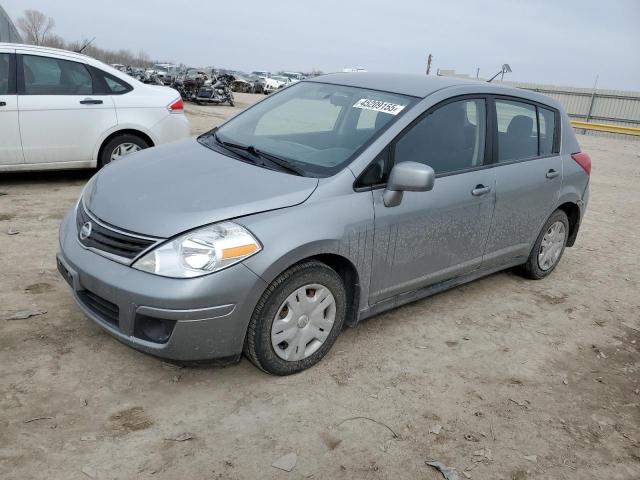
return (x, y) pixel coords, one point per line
(379, 106)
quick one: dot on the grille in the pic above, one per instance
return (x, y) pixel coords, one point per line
(108, 240)
(107, 311)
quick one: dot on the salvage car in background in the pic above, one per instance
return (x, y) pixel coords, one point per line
(293, 76)
(335, 199)
(275, 82)
(60, 109)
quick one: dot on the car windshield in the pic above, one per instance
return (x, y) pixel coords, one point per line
(315, 127)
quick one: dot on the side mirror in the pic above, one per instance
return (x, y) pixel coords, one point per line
(407, 177)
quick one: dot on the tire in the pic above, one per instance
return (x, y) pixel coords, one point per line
(231, 101)
(536, 267)
(122, 139)
(275, 302)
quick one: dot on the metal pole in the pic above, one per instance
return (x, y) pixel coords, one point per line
(593, 99)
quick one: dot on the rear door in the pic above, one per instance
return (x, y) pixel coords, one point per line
(528, 177)
(10, 147)
(62, 118)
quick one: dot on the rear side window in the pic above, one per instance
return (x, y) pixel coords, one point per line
(53, 76)
(4, 73)
(547, 119)
(517, 130)
(448, 139)
(108, 84)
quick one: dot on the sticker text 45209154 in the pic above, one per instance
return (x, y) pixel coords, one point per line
(379, 106)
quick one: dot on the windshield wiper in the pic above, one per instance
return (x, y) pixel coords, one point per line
(280, 162)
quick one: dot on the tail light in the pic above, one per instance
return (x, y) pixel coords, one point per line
(176, 106)
(583, 160)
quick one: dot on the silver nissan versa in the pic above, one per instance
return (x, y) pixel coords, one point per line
(333, 200)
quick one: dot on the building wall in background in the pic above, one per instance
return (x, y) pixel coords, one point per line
(8, 31)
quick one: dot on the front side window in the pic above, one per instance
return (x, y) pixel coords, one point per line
(53, 76)
(448, 139)
(315, 126)
(4, 73)
(517, 130)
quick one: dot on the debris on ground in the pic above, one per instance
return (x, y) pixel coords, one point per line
(395, 435)
(447, 472)
(171, 366)
(531, 458)
(436, 429)
(482, 454)
(470, 437)
(38, 418)
(24, 314)
(89, 471)
(286, 462)
(183, 437)
(521, 403)
(12, 231)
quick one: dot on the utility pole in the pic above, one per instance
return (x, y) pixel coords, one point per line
(429, 59)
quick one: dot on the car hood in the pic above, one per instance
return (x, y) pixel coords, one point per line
(166, 190)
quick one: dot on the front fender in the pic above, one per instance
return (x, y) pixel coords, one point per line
(341, 225)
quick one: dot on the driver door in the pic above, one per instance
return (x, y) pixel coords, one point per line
(61, 119)
(440, 234)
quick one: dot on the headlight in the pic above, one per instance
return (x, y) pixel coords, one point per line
(200, 251)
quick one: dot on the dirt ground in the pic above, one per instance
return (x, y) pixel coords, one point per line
(503, 378)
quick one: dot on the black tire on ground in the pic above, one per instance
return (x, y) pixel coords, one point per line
(111, 145)
(257, 345)
(531, 269)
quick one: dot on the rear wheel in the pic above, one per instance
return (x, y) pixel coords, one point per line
(297, 320)
(119, 146)
(549, 247)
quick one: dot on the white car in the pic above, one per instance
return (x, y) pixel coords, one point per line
(60, 109)
(274, 83)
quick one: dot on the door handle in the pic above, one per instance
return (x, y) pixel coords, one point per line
(90, 101)
(552, 173)
(480, 190)
(3, 104)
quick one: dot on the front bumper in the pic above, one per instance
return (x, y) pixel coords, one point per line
(209, 314)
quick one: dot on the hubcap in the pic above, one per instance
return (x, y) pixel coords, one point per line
(124, 149)
(303, 322)
(551, 246)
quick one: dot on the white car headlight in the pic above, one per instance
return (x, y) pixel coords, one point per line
(200, 251)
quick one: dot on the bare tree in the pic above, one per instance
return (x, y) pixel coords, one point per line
(35, 26)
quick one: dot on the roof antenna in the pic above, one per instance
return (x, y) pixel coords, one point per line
(85, 45)
(505, 69)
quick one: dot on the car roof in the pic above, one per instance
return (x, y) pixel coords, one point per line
(55, 51)
(422, 86)
(402, 83)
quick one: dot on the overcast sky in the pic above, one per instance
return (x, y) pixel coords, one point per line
(562, 42)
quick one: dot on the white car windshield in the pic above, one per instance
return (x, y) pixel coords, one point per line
(316, 127)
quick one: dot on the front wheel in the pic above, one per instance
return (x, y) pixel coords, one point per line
(297, 319)
(231, 101)
(549, 247)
